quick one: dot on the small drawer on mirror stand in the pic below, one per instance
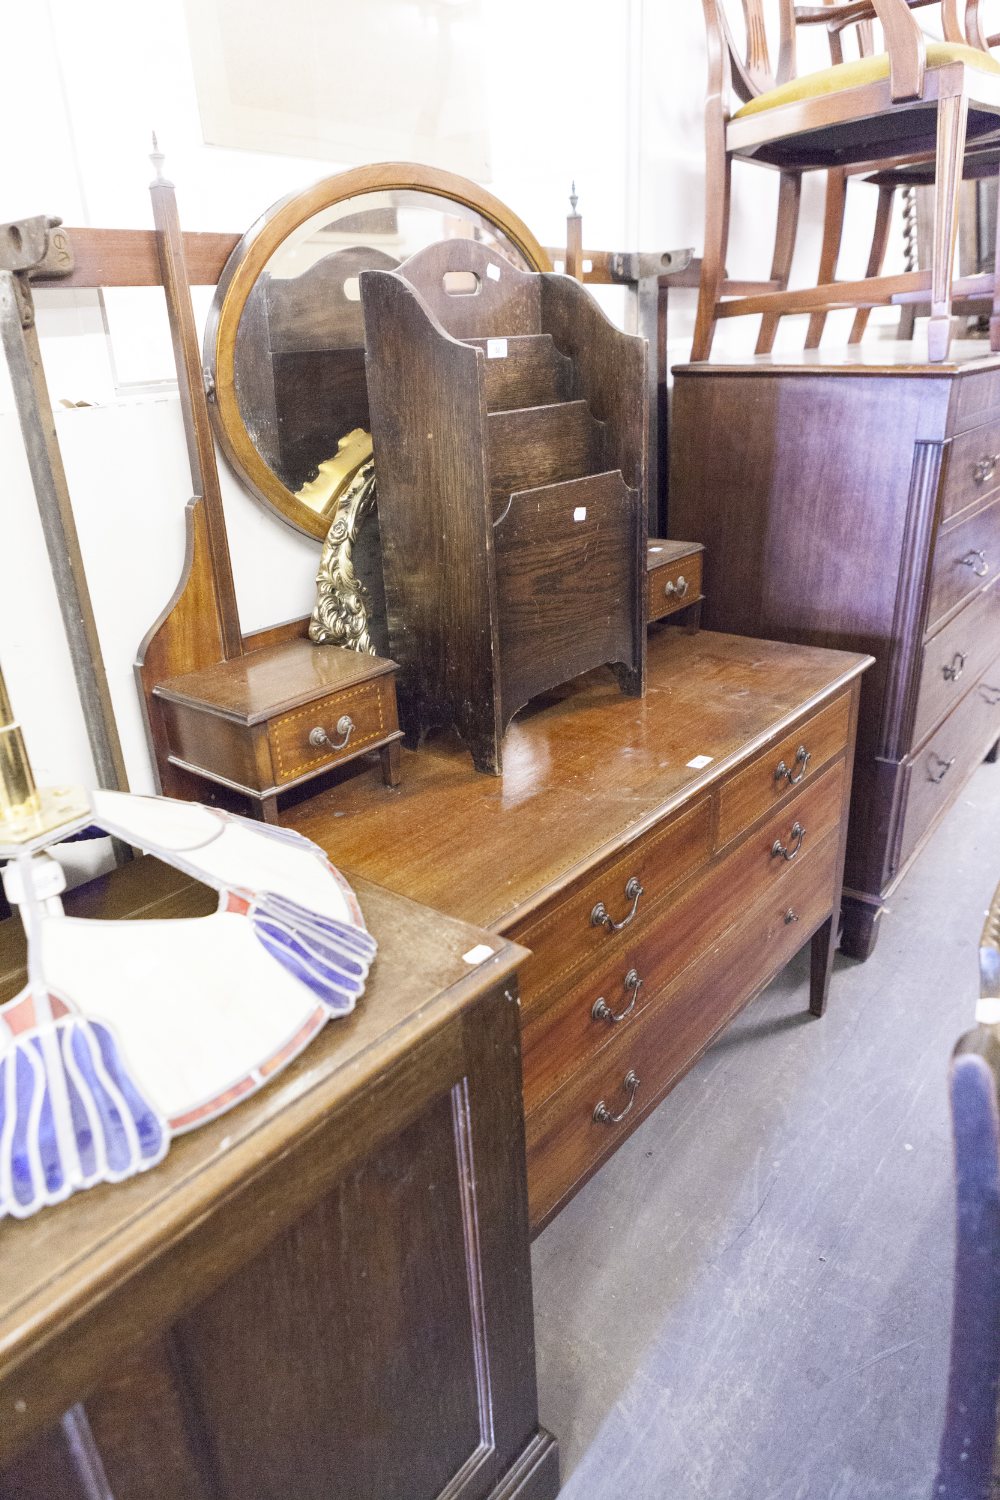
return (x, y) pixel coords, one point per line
(270, 720)
(673, 580)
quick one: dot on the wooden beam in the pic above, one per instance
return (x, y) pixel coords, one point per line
(128, 257)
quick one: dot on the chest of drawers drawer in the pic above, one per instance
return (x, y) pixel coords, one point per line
(954, 657)
(939, 768)
(965, 555)
(767, 779)
(565, 1028)
(583, 1122)
(972, 468)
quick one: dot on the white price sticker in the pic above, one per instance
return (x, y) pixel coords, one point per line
(496, 348)
(493, 272)
(580, 513)
(700, 762)
(479, 954)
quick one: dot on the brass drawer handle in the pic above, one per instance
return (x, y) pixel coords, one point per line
(989, 694)
(985, 468)
(601, 917)
(602, 1010)
(977, 562)
(788, 853)
(945, 766)
(953, 672)
(345, 728)
(802, 758)
(603, 1115)
(678, 589)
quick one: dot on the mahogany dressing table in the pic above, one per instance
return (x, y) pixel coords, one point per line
(662, 858)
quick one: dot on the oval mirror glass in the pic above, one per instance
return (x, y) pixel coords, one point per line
(285, 342)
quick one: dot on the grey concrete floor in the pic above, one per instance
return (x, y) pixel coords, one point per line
(752, 1299)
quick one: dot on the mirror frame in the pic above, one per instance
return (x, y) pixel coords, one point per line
(249, 259)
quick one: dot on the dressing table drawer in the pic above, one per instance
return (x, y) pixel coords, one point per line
(768, 778)
(565, 1139)
(575, 931)
(561, 1033)
(332, 729)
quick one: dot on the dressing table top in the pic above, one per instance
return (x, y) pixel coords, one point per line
(585, 771)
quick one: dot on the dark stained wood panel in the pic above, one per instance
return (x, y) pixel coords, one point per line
(563, 543)
(542, 445)
(260, 1348)
(472, 645)
(531, 371)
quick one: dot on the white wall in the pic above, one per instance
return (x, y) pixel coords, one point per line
(617, 106)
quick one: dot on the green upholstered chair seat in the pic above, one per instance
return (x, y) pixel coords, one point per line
(852, 75)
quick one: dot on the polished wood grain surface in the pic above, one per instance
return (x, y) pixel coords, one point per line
(674, 580)
(326, 1292)
(194, 405)
(955, 657)
(792, 762)
(967, 553)
(186, 637)
(585, 772)
(273, 680)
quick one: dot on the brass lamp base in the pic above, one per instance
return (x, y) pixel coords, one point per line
(47, 810)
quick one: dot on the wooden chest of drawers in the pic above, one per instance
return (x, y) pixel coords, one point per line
(858, 506)
(662, 859)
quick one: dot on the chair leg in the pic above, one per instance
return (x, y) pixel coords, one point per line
(876, 260)
(789, 198)
(833, 230)
(911, 258)
(951, 121)
(718, 185)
